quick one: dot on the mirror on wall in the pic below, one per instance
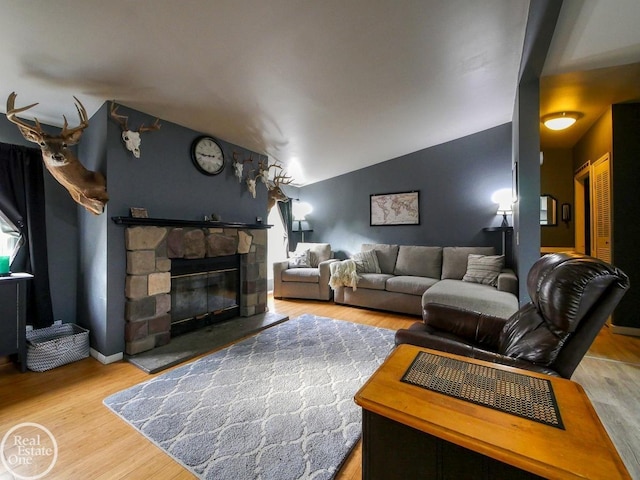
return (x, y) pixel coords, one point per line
(548, 210)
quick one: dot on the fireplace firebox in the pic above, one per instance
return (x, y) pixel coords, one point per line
(203, 291)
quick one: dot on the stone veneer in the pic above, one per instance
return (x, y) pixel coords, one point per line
(148, 283)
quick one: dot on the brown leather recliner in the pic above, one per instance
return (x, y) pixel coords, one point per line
(572, 296)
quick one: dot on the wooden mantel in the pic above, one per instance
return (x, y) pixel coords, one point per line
(168, 222)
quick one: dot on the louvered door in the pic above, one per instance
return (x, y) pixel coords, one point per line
(602, 208)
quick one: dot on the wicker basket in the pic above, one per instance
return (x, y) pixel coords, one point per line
(57, 345)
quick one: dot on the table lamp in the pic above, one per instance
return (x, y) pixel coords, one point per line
(504, 199)
(300, 210)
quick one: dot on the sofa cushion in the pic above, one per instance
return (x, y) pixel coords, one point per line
(409, 284)
(300, 259)
(472, 296)
(454, 260)
(366, 262)
(319, 252)
(373, 281)
(306, 275)
(419, 261)
(387, 255)
(484, 269)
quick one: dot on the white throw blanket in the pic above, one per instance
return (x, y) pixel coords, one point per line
(343, 274)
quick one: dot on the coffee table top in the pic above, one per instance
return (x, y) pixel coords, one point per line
(581, 450)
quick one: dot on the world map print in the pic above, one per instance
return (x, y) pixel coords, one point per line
(395, 209)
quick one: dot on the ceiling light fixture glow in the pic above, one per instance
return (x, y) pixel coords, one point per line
(560, 120)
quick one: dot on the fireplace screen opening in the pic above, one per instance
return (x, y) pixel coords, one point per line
(203, 291)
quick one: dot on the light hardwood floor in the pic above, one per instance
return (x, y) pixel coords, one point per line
(94, 443)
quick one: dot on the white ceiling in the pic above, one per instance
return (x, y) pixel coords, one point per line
(334, 85)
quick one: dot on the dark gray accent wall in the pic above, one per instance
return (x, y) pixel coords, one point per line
(541, 22)
(455, 180)
(165, 182)
(94, 267)
(527, 168)
(626, 207)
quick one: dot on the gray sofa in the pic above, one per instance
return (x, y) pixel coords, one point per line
(412, 276)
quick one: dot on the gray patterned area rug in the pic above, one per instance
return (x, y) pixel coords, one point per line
(278, 405)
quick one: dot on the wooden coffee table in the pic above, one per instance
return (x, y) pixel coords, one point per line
(413, 432)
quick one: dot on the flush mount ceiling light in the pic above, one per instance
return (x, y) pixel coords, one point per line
(560, 120)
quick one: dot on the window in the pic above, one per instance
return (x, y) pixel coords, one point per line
(9, 238)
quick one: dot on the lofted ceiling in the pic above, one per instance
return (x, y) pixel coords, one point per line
(323, 87)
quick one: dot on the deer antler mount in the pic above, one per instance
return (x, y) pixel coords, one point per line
(131, 138)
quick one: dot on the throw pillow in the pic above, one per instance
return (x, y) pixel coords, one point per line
(313, 259)
(366, 262)
(484, 269)
(300, 259)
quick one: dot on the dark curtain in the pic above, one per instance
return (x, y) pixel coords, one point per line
(22, 202)
(287, 220)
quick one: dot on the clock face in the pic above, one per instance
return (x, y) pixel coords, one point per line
(207, 155)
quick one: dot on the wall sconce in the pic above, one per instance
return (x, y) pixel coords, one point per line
(560, 120)
(566, 212)
(504, 199)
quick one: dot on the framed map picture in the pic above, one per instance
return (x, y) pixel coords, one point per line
(395, 209)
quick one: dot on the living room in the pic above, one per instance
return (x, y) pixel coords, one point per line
(456, 178)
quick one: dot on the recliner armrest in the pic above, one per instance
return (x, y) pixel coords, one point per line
(423, 336)
(471, 326)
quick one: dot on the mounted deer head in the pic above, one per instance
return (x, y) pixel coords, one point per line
(131, 138)
(275, 193)
(238, 166)
(85, 186)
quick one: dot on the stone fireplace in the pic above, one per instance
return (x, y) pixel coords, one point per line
(152, 245)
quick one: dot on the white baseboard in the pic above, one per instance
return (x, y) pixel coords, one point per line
(632, 331)
(106, 360)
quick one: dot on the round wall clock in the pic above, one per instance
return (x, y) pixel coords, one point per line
(207, 155)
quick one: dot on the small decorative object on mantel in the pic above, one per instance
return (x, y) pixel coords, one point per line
(131, 138)
(86, 187)
(214, 217)
(138, 212)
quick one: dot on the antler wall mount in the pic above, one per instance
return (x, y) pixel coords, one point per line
(131, 138)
